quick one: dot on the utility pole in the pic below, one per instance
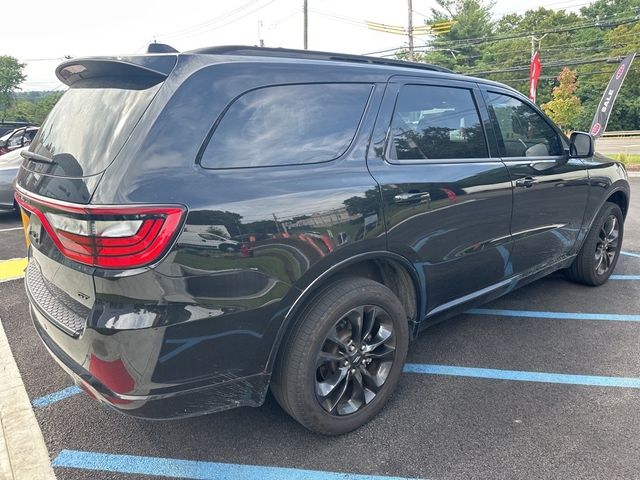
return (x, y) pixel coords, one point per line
(305, 11)
(533, 44)
(410, 29)
(260, 39)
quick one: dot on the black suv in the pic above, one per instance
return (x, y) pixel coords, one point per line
(366, 199)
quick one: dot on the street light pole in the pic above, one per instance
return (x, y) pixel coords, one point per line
(410, 29)
(305, 10)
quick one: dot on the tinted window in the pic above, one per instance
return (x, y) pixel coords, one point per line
(288, 124)
(88, 126)
(521, 131)
(436, 123)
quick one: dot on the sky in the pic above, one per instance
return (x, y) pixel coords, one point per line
(49, 30)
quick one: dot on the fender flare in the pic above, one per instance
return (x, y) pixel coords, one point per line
(618, 186)
(319, 281)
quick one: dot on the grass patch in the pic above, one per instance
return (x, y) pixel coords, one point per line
(628, 158)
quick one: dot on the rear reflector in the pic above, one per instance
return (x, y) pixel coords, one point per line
(118, 237)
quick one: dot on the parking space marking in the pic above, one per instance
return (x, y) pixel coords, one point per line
(12, 269)
(624, 277)
(176, 468)
(630, 254)
(10, 229)
(554, 315)
(522, 376)
(54, 397)
(24, 452)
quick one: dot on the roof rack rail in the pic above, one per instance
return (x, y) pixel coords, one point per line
(314, 55)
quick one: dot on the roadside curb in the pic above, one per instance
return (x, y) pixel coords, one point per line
(23, 453)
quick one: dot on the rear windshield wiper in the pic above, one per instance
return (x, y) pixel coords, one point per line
(36, 158)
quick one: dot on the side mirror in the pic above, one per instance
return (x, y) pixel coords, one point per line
(581, 145)
(3, 143)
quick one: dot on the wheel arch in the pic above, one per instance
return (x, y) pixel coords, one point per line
(390, 269)
(621, 198)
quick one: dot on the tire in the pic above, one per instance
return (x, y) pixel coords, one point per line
(593, 266)
(301, 374)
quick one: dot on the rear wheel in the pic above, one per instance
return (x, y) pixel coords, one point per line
(343, 359)
(599, 254)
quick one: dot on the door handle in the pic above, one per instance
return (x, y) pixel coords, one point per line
(525, 182)
(412, 197)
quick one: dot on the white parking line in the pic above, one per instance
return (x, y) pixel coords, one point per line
(10, 229)
(23, 453)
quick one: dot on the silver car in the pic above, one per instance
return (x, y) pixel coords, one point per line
(9, 165)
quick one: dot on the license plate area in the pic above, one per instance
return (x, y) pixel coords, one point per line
(32, 228)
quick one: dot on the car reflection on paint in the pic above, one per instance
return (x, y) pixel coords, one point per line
(209, 240)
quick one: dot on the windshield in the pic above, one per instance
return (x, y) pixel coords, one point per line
(88, 127)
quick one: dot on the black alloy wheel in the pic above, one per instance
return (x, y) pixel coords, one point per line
(607, 245)
(355, 360)
(599, 253)
(343, 357)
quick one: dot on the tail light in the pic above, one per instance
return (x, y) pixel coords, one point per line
(118, 237)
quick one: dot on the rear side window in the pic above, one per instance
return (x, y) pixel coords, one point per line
(287, 124)
(432, 122)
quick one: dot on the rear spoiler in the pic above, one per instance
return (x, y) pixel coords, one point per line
(148, 69)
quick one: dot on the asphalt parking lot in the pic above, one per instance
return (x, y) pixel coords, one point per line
(543, 383)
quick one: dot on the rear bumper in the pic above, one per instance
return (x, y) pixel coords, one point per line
(162, 372)
(163, 405)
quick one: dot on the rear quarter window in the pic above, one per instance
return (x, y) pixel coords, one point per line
(287, 125)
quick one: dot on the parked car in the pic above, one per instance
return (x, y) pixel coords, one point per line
(377, 197)
(9, 166)
(18, 138)
(6, 127)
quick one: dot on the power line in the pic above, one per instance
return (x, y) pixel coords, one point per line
(556, 63)
(207, 23)
(471, 42)
(215, 23)
(566, 46)
(33, 60)
(553, 77)
(543, 32)
(506, 12)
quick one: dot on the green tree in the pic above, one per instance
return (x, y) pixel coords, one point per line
(455, 50)
(11, 76)
(43, 106)
(32, 109)
(510, 57)
(565, 107)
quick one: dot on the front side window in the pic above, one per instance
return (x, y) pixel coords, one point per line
(286, 125)
(16, 140)
(432, 122)
(521, 131)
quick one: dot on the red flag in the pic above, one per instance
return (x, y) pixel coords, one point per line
(534, 75)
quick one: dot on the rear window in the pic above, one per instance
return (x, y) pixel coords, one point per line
(89, 125)
(286, 125)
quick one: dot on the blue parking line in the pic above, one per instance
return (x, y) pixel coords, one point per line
(522, 376)
(175, 468)
(630, 254)
(56, 397)
(555, 315)
(624, 277)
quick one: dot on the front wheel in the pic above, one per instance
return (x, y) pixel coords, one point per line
(343, 359)
(599, 254)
